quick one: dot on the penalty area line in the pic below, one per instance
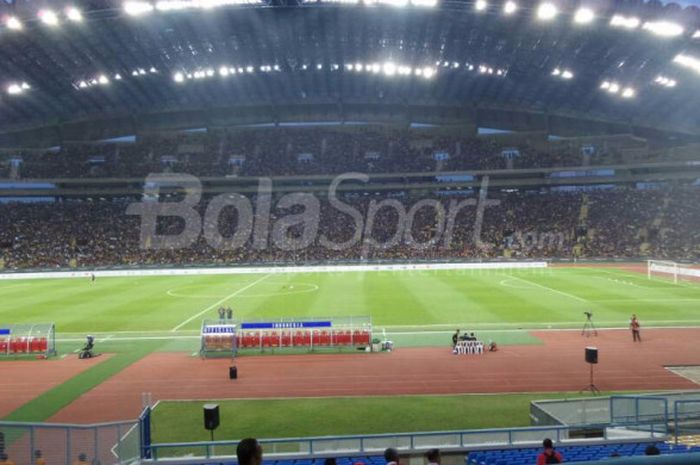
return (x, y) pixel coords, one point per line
(566, 294)
(219, 302)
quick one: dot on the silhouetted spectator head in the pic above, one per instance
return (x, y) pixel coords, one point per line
(547, 444)
(329, 461)
(652, 450)
(391, 455)
(433, 456)
(249, 452)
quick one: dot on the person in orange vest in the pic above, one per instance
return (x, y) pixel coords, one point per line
(39, 458)
(634, 326)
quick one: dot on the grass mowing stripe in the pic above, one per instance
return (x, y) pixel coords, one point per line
(49, 403)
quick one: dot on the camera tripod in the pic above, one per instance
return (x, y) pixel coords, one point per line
(589, 327)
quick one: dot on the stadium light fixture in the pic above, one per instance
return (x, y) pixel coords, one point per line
(628, 92)
(179, 77)
(696, 35)
(547, 11)
(584, 15)
(102, 79)
(566, 74)
(688, 61)
(663, 28)
(429, 72)
(118, 77)
(224, 71)
(424, 3)
(510, 7)
(481, 5)
(358, 67)
(82, 84)
(74, 14)
(13, 23)
(48, 17)
(15, 89)
(665, 81)
(556, 72)
(389, 68)
(625, 22)
(137, 8)
(141, 71)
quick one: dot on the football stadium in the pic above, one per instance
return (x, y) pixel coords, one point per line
(349, 232)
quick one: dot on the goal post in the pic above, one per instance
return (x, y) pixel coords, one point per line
(673, 270)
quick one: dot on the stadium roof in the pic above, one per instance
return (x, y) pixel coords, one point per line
(105, 68)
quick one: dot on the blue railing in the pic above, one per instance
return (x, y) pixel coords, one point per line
(376, 443)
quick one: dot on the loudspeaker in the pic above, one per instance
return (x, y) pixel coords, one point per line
(211, 416)
(591, 355)
(233, 373)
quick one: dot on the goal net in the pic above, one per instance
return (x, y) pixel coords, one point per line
(674, 271)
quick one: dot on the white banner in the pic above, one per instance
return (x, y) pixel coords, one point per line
(274, 269)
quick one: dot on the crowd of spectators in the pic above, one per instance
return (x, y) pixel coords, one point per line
(282, 151)
(622, 223)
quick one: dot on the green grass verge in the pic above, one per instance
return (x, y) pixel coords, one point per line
(47, 404)
(182, 421)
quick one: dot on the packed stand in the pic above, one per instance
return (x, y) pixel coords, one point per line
(620, 224)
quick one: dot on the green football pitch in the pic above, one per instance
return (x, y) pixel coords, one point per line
(134, 316)
(398, 300)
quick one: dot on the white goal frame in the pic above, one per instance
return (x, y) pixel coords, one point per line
(671, 268)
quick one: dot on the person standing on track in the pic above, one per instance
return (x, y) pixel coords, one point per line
(634, 327)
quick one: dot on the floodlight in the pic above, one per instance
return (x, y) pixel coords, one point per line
(547, 11)
(625, 22)
(510, 7)
(480, 5)
(389, 68)
(688, 61)
(223, 71)
(424, 3)
(605, 85)
(628, 92)
(179, 77)
(82, 84)
(13, 23)
(428, 72)
(136, 8)
(696, 35)
(93, 82)
(663, 28)
(584, 15)
(556, 72)
(102, 79)
(358, 67)
(276, 67)
(74, 14)
(153, 70)
(210, 72)
(566, 74)
(319, 66)
(375, 68)
(25, 86)
(142, 71)
(249, 69)
(614, 88)
(48, 17)
(14, 89)
(118, 77)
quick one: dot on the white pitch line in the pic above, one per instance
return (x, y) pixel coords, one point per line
(566, 294)
(219, 302)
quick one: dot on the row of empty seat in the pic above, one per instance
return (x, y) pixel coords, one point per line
(23, 345)
(572, 453)
(300, 338)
